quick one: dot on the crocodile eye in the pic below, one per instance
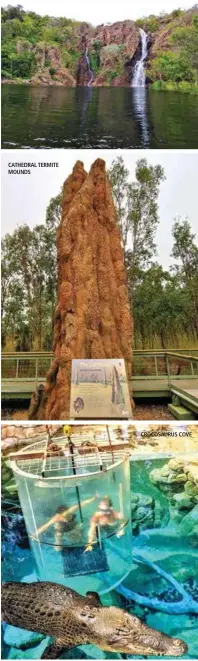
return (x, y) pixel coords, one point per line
(90, 614)
(123, 630)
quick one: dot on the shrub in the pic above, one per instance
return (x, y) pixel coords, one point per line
(150, 23)
(6, 74)
(111, 75)
(176, 13)
(52, 71)
(172, 66)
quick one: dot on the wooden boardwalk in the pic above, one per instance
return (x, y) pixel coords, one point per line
(187, 393)
(146, 388)
(23, 372)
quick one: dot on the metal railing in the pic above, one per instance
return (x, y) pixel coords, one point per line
(33, 366)
(159, 364)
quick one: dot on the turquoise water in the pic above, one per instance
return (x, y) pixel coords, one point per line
(159, 535)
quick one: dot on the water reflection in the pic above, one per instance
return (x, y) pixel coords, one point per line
(97, 118)
(86, 99)
(140, 110)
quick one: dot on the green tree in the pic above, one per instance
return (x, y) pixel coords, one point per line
(53, 212)
(118, 176)
(170, 66)
(185, 251)
(186, 38)
(137, 208)
(29, 281)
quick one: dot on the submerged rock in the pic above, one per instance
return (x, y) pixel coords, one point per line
(191, 489)
(182, 501)
(178, 480)
(189, 523)
(145, 513)
(14, 531)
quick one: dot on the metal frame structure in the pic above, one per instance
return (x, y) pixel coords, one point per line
(38, 461)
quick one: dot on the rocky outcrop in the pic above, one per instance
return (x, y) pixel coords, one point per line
(146, 512)
(179, 481)
(116, 46)
(122, 32)
(49, 67)
(61, 78)
(92, 317)
(160, 38)
(15, 437)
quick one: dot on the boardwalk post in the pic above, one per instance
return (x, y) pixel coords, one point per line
(167, 365)
(156, 367)
(17, 368)
(192, 367)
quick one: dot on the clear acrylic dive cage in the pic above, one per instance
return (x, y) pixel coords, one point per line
(60, 493)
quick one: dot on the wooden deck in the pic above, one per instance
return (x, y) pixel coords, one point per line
(187, 393)
(23, 389)
(142, 388)
(20, 389)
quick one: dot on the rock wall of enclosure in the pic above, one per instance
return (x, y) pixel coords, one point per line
(92, 317)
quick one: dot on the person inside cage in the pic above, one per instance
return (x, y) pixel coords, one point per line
(65, 523)
(106, 517)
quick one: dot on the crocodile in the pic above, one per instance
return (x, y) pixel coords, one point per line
(72, 620)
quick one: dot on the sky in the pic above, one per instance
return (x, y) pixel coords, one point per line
(25, 197)
(103, 11)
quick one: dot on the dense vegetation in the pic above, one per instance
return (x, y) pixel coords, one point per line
(177, 65)
(26, 34)
(164, 303)
(33, 43)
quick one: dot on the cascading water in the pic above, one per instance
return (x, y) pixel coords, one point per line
(139, 77)
(88, 64)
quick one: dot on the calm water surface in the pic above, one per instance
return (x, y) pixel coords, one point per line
(47, 117)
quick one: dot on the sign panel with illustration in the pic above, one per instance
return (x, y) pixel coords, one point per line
(99, 389)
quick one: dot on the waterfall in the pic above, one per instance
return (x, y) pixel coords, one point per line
(139, 77)
(88, 64)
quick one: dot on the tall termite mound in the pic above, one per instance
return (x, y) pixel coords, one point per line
(92, 317)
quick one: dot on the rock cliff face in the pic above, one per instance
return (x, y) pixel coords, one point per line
(114, 46)
(92, 317)
(83, 72)
(50, 69)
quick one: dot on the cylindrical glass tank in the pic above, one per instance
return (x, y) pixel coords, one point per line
(65, 510)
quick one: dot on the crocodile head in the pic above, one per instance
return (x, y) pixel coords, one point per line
(115, 630)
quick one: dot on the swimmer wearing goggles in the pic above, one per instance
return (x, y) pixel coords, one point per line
(105, 517)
